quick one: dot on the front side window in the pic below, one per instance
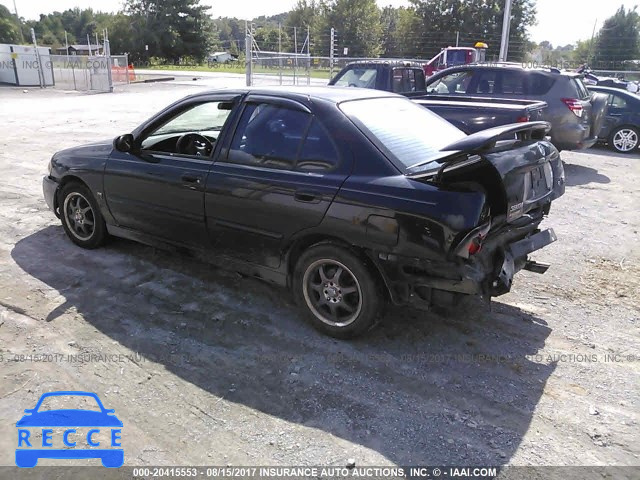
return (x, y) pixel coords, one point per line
(191, 132)
(457, 82)
(268, 135)
(487, 82)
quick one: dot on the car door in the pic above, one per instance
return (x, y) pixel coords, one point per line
(615, 113)
(275, 177)
(158, 188)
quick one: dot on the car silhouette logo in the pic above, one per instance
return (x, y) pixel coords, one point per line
(29, 450)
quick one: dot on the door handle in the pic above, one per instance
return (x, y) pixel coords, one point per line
(191, 178)
(306, 197)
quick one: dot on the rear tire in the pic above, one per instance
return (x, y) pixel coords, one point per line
(339, 294)
(624, 139)
(81, 218)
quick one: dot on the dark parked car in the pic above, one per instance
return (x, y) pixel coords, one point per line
(350, 197)
(469, 114)
(621, 125)
(574, 113)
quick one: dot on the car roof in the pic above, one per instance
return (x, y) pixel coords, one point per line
(550, 71)
(331, 94)
(600, 88)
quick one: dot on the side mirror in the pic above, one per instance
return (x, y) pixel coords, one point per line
(124, 143)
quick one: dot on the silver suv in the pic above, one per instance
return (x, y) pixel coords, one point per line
(575, 114)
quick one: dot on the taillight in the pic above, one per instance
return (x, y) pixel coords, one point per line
(472, 243)
(475, 245)
(574, 105)
(522, 119)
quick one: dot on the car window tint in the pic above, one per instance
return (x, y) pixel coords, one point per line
(582, 91)
(404, 80)
(486, 82)
(617, 102)
(318, 151)
(358, 77)
(203, 117)
(420, 80)
(539, 84)
(397, 127)
(457, 82)
(206, 119)
(512, 83)
(269, 136)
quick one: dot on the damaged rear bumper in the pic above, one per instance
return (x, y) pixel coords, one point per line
(422, 283)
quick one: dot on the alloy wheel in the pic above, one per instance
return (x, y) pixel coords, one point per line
(332, 292)
(625, 140)
(79, 216)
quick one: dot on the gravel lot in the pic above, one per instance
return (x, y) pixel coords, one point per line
(221, 369)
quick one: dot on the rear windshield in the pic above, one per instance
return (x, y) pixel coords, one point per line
(404, 131)
(539, 84)
(358, 77)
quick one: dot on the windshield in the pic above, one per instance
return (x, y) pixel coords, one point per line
(456, 57)
(404, 131)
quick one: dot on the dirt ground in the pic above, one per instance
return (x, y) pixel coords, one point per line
(209, 368)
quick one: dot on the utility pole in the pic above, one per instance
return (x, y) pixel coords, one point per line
(332, 51)
(506, 25)
(280, 51)
(295, 57)
(15, 9)
(247, 52)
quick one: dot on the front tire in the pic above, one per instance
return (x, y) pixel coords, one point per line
(624, 139)
(338, 292)
(81, 218)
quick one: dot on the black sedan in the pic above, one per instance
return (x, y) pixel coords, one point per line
(621, 125)
(349, 197)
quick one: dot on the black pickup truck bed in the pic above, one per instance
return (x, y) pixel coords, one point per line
(474, 114)
(469, 114)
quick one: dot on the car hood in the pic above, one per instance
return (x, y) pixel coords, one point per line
(96, 149)
(69, 418)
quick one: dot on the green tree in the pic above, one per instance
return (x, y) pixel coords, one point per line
(475, 20)
(173, 29)
(618, 40)
(9, 29)
(357, 25)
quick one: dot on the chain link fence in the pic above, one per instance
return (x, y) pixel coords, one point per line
(95, 73)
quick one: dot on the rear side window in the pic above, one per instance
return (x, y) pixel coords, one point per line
(268, 136)
(581, 89)
(512, 83)
(318, 151)
(616, 101)
(358, 77)
(407, 80)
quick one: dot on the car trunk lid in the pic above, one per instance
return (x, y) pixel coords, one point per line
(529, 170)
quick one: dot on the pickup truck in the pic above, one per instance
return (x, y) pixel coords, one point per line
(469, 114)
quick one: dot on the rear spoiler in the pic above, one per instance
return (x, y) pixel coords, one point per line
(482, 141)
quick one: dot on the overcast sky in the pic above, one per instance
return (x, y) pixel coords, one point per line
(559, 21)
